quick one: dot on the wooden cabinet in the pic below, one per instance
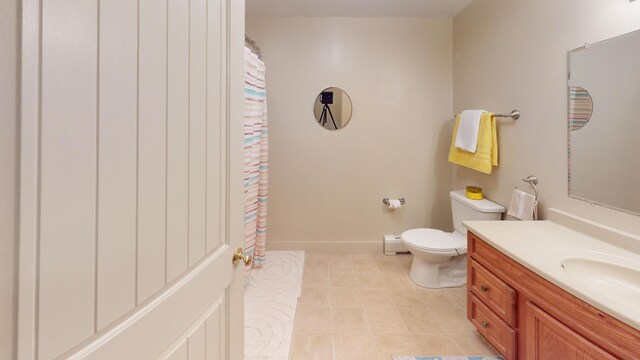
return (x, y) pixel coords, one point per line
(549, 339)
(494, 329)
(526, 317)
(495, 293)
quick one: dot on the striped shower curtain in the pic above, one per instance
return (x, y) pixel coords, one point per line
(256, 163)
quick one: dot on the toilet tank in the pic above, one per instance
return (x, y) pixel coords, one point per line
(463, 209)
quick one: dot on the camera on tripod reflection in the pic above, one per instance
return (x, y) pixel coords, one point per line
(326, 97)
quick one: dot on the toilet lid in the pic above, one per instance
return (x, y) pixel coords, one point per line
(434, 240)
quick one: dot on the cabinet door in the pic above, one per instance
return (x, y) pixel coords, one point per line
(549, 339)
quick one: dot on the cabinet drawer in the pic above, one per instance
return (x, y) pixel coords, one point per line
(489, 325)
(495, 293)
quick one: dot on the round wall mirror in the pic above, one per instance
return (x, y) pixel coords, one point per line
(332, 108)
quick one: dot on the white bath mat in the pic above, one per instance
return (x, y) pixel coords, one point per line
(270, 304)
(268, 328)
(280, 276)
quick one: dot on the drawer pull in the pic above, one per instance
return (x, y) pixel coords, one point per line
(484, 288)
(484, 324)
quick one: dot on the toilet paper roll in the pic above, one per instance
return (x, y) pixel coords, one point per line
(394, 204)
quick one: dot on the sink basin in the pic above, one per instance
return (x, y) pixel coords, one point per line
(619, 282)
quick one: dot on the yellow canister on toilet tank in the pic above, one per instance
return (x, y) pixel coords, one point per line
(474, 192)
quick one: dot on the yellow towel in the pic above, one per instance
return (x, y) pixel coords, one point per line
(487, 153)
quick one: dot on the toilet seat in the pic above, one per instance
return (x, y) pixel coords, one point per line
(436, 240)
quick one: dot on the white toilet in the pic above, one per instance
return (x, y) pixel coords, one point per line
(439, 258)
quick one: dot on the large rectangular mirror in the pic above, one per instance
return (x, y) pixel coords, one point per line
(604, 123)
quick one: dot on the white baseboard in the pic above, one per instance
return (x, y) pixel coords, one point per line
(355, 247)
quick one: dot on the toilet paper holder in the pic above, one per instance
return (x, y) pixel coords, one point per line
(386, 201)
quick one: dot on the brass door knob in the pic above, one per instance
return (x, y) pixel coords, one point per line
(484, 288)
(484, 324)
(239, 255)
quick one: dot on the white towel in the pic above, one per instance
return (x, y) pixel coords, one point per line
(467, 136)
(524, 206)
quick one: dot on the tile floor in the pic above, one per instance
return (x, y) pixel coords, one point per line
(364, 306)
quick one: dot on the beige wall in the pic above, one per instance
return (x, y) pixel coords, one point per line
(327, 186)
(8, 173)
(513, 54)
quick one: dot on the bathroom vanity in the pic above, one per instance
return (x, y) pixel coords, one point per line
(539, 290)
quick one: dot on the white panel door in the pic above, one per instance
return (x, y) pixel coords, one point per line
(197, 129)
(131, 179)
(117, 148)
(178, 139)
(68, 162)
(152, 147)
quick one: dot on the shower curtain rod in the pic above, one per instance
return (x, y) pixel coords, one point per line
(248, 42)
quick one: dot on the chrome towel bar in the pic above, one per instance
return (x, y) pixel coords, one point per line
(514, 114)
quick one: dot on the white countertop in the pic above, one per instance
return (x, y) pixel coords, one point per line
(540, 246)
